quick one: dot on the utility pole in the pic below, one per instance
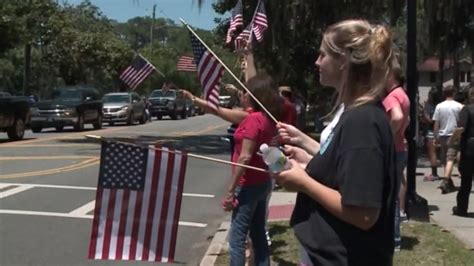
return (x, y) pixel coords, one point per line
(417, 206)
(151, 30)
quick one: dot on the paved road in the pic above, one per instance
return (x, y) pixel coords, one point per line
(47, 189)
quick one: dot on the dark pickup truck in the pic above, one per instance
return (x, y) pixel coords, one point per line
(167, 102)
(70, 106)
(14, 115)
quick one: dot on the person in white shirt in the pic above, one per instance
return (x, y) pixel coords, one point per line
(445, 117)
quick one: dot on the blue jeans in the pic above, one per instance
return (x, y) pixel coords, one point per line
(249, 218)
(401, 163)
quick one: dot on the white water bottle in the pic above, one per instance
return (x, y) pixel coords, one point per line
(274, 158)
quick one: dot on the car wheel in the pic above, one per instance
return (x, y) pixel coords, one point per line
(98, 123)
(17, 131)
(36, 129)
(130, 119)
(111, 123)
(80, 123)
(184, 114)
(59, 128)
(159, 117)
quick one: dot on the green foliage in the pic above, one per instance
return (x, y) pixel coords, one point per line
(292, 41)
(79, 45)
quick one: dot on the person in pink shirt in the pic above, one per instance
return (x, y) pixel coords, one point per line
(397, 106)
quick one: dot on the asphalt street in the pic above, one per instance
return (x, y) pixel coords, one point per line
(48, 181)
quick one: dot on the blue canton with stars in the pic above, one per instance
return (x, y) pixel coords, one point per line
(198, 49)
(122, 166)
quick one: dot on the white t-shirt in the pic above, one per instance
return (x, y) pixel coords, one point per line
(330, 127)
(447, 114)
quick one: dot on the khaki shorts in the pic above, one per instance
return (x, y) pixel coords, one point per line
(449, 149)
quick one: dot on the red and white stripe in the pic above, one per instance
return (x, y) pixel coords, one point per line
(141, 225)
(210, 72)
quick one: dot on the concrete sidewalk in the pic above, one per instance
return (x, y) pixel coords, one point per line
(439, 205)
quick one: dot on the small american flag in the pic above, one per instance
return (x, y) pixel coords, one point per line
(236, 20)
(138, 203)
(137, 72)
(243, 38)
(260, 23)
(209, 71)
(186, 63)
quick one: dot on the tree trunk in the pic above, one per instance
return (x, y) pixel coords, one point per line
(456, 81)
(27, 70)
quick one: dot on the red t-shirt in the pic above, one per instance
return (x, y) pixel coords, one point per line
(259, 128)
(398, 97)
(288, 112)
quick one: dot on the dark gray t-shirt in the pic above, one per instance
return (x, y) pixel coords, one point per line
(358, 160)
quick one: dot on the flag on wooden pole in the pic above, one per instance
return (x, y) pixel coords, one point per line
(236, 21)
(137, 72)
(138, 203)
(209, 71)
(260, 22)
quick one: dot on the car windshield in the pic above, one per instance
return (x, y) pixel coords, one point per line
(67, 95)
(116, 99)
(161, 93)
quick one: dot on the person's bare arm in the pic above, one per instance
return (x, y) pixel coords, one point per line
(396, 119)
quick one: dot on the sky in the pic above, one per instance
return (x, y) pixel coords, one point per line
(122, 10)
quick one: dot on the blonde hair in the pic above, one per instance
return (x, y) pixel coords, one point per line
(368, 52)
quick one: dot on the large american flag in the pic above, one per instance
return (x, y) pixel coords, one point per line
(138, 203)
(243, 38)
(186, 63)
(209, 71)
(260, 23)
(236, 20)
(137, 72)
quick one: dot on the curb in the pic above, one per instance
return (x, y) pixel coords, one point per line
(217, 243)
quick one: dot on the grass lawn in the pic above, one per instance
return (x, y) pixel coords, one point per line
(422, 244)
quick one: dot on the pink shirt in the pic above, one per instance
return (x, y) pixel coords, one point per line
(398, 97)
(259, 128)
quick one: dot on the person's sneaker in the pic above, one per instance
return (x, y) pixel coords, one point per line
(403, 217)
(447, 186)
(269, 239)
(459, 213)
(431, 177)
(398, 244)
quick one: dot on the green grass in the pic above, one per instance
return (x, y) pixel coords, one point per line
(422, 244)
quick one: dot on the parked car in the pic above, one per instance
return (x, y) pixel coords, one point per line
(14, 115)
(167, 102)
(70, 106)
(125, 107)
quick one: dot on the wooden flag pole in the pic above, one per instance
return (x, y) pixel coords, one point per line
(156, 69)
(179, 152)
(230, 72)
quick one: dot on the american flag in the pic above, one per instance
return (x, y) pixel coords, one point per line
(186, 63)
(243, 38)
(137, 72)
(260, 23)
(209, 71)
(138, 203)
(236, 20)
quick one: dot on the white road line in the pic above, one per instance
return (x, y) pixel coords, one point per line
(84, 209)
(16, 190)
(90, 188)
(2, 186)
(69, 215)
